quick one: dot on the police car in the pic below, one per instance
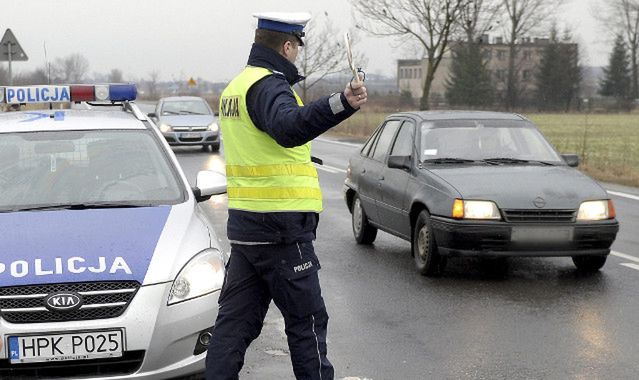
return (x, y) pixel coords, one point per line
(108, 266)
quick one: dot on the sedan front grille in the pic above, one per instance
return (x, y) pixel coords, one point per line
(26, 304)
(189, 129)
(540, 216)
(130, 362)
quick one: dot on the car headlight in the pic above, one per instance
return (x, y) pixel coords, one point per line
(475, 210)
(203, 274)
(164, 128)
(596, 210)
(213, 127)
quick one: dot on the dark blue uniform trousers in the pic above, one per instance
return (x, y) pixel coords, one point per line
(257, 274)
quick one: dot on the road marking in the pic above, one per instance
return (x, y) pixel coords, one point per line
(624, 195)
(629, 265)
(338, 142)
(330, 169)
(624, 256)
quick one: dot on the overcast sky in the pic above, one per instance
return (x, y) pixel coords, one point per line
(205, 38)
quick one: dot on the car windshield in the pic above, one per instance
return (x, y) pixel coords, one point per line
(185, 107)
(84, 169)
(476, 140)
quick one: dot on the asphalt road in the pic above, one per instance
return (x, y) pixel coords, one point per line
(539, 319)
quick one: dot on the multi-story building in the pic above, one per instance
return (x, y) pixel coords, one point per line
(411, 73)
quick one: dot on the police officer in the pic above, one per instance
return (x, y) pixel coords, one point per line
(274, 201)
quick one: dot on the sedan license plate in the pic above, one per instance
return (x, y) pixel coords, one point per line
(190, 135)
(60, 347)
(541, 234)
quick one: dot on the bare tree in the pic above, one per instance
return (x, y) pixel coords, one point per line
(323, 54)
(428, 22)
(478, 17)
(116, 76)
(71, 69)
(621, 17)
(523, 16)
(153, 84)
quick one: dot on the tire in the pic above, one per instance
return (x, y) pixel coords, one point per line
(427, 260)
(215, 148)
(589, 263)
(362, 230)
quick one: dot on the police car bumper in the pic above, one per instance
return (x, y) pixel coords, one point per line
(159, 342)
(192, 138)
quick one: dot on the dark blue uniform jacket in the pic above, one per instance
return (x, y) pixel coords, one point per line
(274, 110)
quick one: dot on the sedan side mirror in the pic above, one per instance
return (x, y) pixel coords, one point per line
(572, 160)
(209, 183)
(152, 115)
(399, 162)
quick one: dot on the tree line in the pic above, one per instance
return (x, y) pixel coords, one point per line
(439, 26)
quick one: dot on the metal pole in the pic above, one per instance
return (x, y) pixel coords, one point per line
(10, 73)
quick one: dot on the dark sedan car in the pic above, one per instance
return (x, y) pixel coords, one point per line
(481, 184)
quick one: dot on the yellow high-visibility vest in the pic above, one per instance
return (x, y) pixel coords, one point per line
(262, 175)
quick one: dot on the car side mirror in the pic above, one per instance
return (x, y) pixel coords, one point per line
(216, 113)
(207, 184)
(152, 115)
(572, 160)
(399, 162)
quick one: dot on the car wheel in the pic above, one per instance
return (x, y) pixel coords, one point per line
(427, 259)
(215, 148)
(589, 263)
(364, 233)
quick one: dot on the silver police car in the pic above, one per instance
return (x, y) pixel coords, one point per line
(109, 267)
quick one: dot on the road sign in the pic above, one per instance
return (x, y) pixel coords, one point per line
(9, 46)
(192, 82)
(10, 50)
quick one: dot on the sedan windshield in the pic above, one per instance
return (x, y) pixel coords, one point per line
(185, 107)
(492, 141)
(84, 169)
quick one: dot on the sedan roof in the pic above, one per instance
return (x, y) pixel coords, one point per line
(461, 115)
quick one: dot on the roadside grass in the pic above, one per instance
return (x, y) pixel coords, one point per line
(607, 144)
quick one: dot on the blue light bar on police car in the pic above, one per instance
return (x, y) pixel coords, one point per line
(66, 94)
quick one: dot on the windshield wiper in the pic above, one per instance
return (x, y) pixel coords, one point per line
(191, 112)
(448, 160)
(78, 206)
(511, 160)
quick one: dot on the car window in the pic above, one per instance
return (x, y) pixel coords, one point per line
(371, 141)
(484, 139)
(85, 167)
(185, 107)
(385, 138)
(403, 145)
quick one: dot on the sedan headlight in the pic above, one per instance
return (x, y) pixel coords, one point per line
(475, 210)
(203, 274)
(596, 210)
(213, 127)
(164, 128)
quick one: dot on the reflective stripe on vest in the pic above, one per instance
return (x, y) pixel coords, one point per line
(262, 175)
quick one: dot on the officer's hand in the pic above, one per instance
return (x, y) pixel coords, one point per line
(355, 94)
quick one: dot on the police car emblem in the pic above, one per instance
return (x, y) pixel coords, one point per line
(63, 301)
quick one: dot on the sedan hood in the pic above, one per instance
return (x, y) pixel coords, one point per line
(516, 187)
(188, 120)
(148, 244)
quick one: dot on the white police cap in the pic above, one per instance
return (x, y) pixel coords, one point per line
(284, 22)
